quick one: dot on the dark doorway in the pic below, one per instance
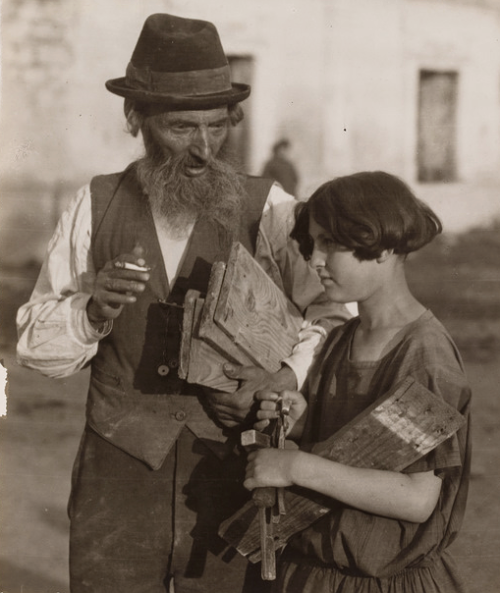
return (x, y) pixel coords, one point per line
(239, 139)
(437, 113)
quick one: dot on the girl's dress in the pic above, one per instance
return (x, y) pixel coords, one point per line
(351, 551)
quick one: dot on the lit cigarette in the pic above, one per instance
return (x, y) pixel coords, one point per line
(128, 266)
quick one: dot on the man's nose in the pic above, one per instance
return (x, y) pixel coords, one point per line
(200, 146)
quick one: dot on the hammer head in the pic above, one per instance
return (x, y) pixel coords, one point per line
(253, 439)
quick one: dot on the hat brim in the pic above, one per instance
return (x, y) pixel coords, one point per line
(239, 92)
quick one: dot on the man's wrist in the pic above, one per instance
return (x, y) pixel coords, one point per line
(102, 327)
(98, 323)
(286, 378)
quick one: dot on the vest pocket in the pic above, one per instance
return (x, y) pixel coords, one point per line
(107, 403)
(142, 425)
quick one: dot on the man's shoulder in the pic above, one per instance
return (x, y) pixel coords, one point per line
(108, 179)
(104, 186)
(116, 175)
(257, 191)
(256, 182)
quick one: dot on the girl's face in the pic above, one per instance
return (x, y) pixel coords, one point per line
(345, 278)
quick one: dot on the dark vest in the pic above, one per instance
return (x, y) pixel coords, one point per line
(136, 399)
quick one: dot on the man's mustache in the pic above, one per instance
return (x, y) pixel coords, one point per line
(194, 161)
(176, 163)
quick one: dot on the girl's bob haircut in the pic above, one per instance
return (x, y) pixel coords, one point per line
(367, 213)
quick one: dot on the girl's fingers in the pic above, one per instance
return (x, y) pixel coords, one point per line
(266, 395)
(266, 415)
(268, 406)
(249, 484)
(261, 425)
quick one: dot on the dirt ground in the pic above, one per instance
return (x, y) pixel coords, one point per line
(39, 438)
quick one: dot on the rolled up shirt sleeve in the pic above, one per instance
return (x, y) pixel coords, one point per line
(55, 335)
(279, 255)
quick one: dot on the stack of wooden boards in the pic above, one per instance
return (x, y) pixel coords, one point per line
(244, 319)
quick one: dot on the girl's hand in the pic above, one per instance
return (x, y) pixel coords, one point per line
(270, 467)
(270, 409)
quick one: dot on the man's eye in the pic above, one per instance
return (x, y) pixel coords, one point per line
(181, 128)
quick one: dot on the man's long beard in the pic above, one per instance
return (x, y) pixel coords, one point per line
(177, 201)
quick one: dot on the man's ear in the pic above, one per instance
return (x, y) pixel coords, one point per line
(133, 117)
(384, 256)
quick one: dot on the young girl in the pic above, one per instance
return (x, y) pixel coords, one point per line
(387, 531)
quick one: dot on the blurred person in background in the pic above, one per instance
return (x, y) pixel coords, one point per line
(280, 168)
(157, 469)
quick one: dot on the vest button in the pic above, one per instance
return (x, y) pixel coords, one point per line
(173, 363)
(163, 370)
(180, 415)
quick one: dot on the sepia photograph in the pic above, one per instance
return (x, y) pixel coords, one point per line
(249, 296)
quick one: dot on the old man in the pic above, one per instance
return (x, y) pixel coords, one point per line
(156, 472)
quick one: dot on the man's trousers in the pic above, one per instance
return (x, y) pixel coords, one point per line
(133, 529)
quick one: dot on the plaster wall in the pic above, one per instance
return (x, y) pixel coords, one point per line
(339, 78)
(466, 39)
(61, 125)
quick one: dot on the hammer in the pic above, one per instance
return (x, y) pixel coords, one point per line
(269, 500)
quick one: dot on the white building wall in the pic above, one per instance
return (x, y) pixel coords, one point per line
(464, 38)
(363, 87)
(74, 128)
(339, 78)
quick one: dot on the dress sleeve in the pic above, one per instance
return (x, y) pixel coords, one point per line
(55, 336)
(449, 384)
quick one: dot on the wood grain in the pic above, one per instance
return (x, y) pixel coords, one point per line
(187, 330)
(255, 313)
(210, 331)
(205, 363)
(397, 430)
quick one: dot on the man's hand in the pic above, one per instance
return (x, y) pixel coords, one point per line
(116, 286)
(240, 407)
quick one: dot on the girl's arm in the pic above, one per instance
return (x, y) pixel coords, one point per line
(408, 497)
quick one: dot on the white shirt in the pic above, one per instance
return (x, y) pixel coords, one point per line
(56, 337)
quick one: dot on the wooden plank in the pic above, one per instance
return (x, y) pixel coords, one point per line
(214, 286)
(212, 333)
(255, 313)
(205, 363)
(397, 430)
(187, 330)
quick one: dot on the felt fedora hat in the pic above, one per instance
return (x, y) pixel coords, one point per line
(179, 63)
